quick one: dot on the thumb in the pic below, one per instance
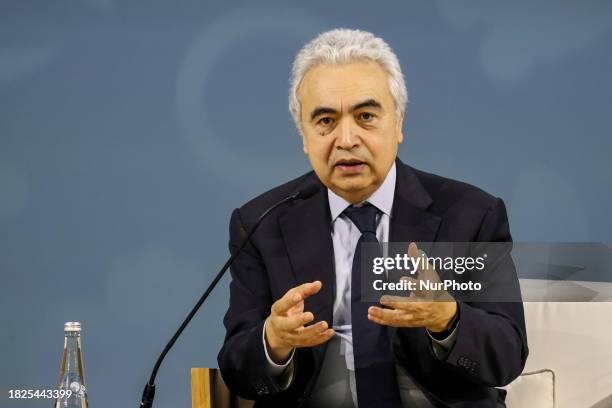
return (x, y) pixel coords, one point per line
(425, 270)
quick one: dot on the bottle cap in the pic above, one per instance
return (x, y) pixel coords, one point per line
(72, 327)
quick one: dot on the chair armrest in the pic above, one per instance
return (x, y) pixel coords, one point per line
(208, 390)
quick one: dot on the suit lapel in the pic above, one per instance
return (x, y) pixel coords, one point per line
(410, 220)
(306, 230)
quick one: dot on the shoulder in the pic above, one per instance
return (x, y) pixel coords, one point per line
(468, 213)
(253, 208)
(440, 187)
(447, 192)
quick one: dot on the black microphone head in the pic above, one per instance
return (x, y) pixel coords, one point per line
(307, 191)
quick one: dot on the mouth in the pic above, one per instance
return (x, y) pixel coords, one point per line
(350, 166)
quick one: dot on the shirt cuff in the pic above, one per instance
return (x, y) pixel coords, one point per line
(273, 368)
(441, 345)
(446, 342)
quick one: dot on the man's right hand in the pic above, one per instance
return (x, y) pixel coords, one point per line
(285, 328)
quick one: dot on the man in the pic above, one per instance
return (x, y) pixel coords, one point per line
(298, 333)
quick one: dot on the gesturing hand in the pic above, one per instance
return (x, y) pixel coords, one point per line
(418, 309)
(285, 328)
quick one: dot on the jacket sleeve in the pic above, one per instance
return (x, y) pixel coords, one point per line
(242, 359)
(491, 341)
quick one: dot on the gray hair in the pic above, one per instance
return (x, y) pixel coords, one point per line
(344, 45)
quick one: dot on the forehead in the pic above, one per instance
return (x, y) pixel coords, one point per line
(344, 84)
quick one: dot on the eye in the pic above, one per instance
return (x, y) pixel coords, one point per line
(365, 116)
(326, 121)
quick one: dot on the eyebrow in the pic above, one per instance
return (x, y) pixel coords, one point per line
(321, 110)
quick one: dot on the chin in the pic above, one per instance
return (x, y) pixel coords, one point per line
(354, 187)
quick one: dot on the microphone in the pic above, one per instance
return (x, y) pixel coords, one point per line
(307, 191)
(303, 193)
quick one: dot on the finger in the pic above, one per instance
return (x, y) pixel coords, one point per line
(397, 318)
(418, 293)
(305, 335)
(294, 296)
(412, 306)
(289, 300)
(306, 332)
(392, 298)
(390, 315)
(394, 301)
(305, 290)
(311, 288)
(291, 323)
(381, 321)
(413, 250)
(397, 302)
(421, 293)
(407, 323)
(414, 253)
(425, 270)
(319, 339)
(413, 284)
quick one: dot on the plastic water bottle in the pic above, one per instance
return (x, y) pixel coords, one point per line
(71, 387)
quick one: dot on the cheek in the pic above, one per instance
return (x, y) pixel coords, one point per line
(382, 151)
(321, 149)
(377, 146)
(385, 143)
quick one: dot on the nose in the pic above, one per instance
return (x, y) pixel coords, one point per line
(348, 137)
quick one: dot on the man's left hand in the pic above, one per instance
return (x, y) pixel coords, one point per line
(418, 309)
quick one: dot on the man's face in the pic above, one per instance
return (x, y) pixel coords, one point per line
(349, 127)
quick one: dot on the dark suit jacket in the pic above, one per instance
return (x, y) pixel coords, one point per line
(293, 245)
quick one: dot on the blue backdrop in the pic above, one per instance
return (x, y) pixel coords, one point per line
(130, 130)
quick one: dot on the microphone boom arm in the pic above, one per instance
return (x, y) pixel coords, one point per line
(149, 391)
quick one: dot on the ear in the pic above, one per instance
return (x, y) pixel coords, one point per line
(304, 143)
(400, 123)
(300, 129)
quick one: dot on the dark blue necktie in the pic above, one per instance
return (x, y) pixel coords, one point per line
(375, 375)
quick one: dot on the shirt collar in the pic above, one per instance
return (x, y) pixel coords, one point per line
(382, 198)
